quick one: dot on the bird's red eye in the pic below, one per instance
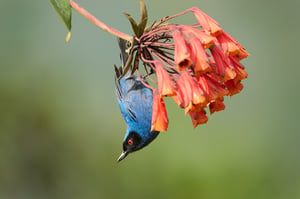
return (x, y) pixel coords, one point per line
(130, 142)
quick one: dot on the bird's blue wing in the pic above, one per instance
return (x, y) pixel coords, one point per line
(123, 87)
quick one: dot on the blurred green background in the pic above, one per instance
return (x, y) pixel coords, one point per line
(61, 130)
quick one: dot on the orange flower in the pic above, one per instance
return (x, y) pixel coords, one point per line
(159, 115)
(198, 117)
(223, 68)
(212, 89)
(164, 81)
(238, 68)
(206, 22)
(199, 56)
(217, 105)
(184, 88)
(234, 86)
(228, 46)
(182, 53)
(242, 53)
(177, 99)
(190, 92)
(206, 39)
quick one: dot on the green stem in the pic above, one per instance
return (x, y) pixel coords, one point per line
(100, 24)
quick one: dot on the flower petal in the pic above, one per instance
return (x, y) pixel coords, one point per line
(242, 52)
(212, 88)
(165, 83)
(223, 68)
(234, 86)
(198, 117)
(182, 53)
(159, 115)
(190, 91)
(199, 56)
(206, 22)
(239, 69)
(229, 46)
(206, 39)
(217, 105)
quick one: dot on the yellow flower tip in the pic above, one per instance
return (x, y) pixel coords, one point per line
(188, 108)
(215, 30)
(229, 74)
(242, 54)
(232, 49)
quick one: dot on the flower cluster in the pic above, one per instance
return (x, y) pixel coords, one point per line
(197, 65)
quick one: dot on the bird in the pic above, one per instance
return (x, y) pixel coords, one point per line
(135, 102)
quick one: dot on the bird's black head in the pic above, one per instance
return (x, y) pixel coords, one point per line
(133, 142)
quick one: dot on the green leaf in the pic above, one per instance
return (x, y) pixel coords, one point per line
(133, 23)
(143, 18)
(63, 10)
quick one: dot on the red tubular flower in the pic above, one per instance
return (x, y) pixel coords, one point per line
(238, 68)
(206, 22)
(223, 68)
(228, 45)
(217, 105)
(185, 92)
(164, 81)
(199, 57)
(206, 39)
(197, 65)
(159, 115)
(182, 53)
(212, 89)
(190, 92)
(234, 86)
(242, 52)
(178, 100)
(198, 117)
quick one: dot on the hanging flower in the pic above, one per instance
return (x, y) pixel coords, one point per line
(164, 81)
(182, 53)
(197, 65)
(199, 56)
(217, 105)
(206, 22)
(198, 117)
(191, 95)
(159, 115)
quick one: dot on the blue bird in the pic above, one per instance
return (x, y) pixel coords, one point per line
(135, 102)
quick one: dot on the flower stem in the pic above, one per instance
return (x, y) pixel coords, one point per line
(100, 24)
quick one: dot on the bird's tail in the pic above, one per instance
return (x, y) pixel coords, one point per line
(119, 71)
(123, 44)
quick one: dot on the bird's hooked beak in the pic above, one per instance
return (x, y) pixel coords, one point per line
(122, 156)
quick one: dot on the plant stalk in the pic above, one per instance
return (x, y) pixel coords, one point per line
(99, 23)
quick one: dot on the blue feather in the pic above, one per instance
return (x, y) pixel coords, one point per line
(135, 101)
